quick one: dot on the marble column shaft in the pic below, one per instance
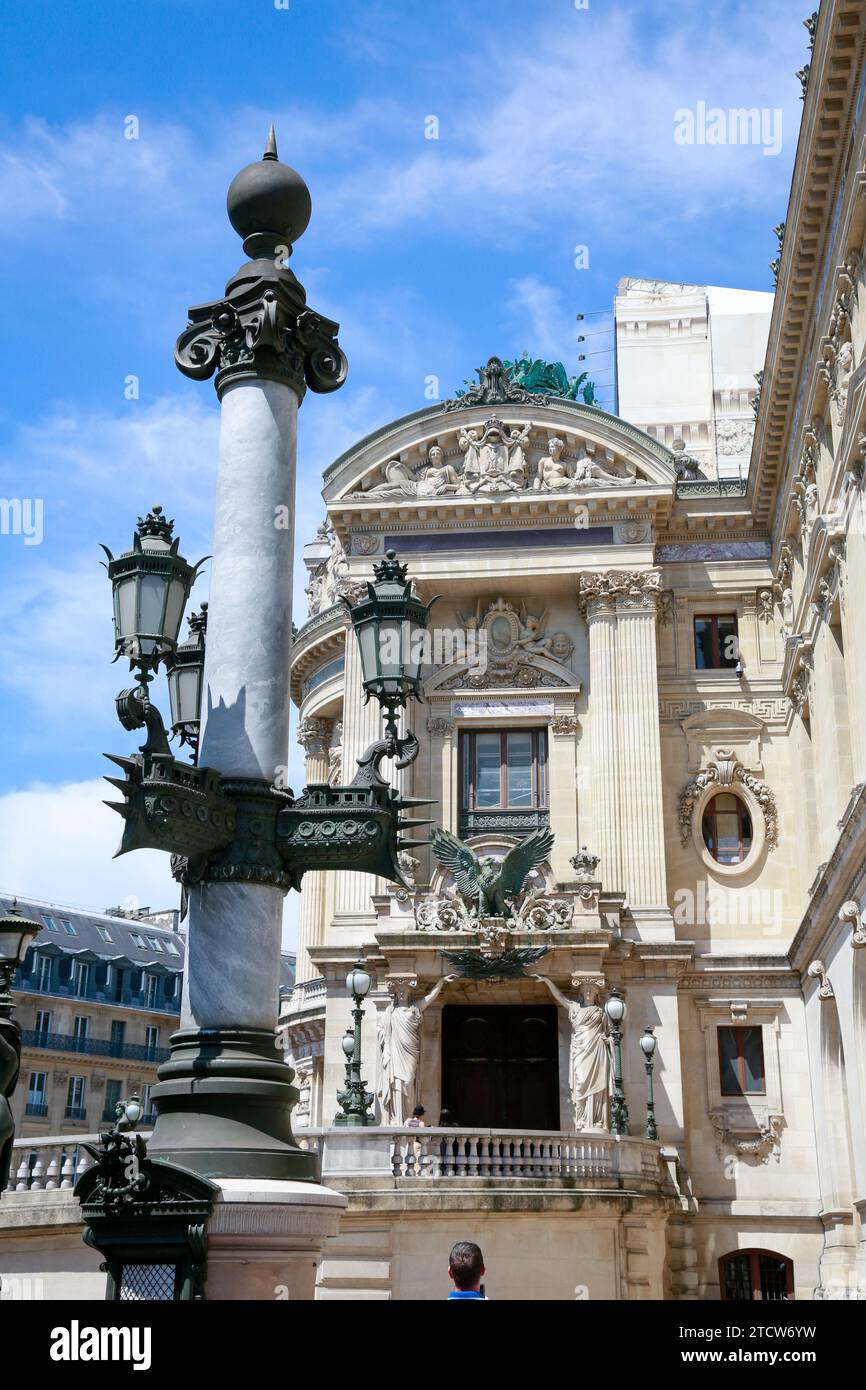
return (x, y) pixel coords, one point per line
(640, 774)
(604, 738)
(233, 960)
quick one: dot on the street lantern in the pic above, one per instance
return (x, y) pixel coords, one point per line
(16, 935)
(389, 625)
(150, 585)
(615, 1008)
(354, 1098)
(186, 681)
(648, 1048)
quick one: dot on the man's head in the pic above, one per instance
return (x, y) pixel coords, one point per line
(466, 1265)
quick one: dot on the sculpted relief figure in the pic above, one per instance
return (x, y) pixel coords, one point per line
(552, 471)
(590, 473)
(398, 481)
(438, 476)
(495, 458)
(589, 1055)
(399, 1034)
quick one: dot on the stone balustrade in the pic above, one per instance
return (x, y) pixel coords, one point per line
(50, 1164)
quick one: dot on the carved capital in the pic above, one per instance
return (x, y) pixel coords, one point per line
(564, 725)
(314, 736)
(262, 329)
(615, 590)
(440, 727)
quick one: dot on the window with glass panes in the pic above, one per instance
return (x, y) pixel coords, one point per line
(43, 1021)
(716, 641)
(80, 977)
(151, 1040)
(43, 973)
(76, 1090)
(503, 771)
(113, 1092)
(37, 1092)
(727, 828)
(764, 1275)
(741, 1062)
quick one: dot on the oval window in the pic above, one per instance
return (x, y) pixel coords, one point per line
(727, 828)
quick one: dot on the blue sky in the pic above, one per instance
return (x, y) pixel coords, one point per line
(555, 129)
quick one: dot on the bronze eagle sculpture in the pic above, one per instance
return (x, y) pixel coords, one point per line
(489, 885)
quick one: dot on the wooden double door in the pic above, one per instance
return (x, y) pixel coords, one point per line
(500, 1066)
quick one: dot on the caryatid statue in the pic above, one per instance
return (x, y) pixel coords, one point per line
(589, 1055)
(399, 1032)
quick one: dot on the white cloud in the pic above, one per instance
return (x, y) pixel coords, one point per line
(57, 843)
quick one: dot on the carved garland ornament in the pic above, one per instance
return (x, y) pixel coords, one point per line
(725, 772)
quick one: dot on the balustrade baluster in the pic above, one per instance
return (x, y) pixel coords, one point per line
(22, 1176)
(36, 1182)
(51, 1176)
(67, 1172)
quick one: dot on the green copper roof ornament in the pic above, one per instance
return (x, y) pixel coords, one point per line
(523, 381)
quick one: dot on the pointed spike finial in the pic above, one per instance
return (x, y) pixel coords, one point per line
(271, 147)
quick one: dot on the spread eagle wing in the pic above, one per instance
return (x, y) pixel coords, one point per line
(459, 858)
(527, 855)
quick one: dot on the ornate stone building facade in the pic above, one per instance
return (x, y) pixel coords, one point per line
(664, 670)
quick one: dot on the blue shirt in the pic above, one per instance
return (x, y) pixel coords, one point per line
(466, 1293)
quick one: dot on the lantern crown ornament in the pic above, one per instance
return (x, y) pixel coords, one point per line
(150, 584)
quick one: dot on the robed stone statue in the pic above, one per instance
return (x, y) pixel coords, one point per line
(399, 1033)
(589, 1056)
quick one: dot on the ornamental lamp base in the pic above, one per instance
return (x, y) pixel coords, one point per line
(223, 1106)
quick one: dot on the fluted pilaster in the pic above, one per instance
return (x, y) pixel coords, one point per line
(598, 603)
(314, 735)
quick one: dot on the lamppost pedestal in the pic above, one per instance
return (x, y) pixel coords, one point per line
(264, 1239)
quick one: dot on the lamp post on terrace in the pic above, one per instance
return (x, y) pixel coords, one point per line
(648, 1045)
(354, 1098)
(615, 1008)
(239, 839)
(16, 935)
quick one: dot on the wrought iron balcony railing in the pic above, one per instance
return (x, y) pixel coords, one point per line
(518, 823)
(92, 1047)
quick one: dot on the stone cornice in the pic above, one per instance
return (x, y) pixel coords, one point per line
(812, 218)
(841, 878)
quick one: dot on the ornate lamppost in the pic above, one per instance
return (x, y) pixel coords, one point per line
(239, 839)
(615, 1008)
(648, 1045)
(16, 935)
(354, 1098)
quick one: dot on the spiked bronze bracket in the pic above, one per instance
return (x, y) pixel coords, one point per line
(245, 830)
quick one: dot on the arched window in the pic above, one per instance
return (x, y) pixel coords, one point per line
(745, 1275)
(727, 828)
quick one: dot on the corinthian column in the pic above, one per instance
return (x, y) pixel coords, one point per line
(598, 604)
(640, 768)
(314, 736)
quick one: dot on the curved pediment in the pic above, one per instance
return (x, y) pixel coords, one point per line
(512, 451)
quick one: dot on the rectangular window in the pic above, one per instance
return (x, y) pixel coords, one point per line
(171, 947)
(155, 943)
(151, 1040)
(38, 1088)
(716, 644)
(80, 979)
(118, 1036)
(146, 1104)
(43, 1021)
(741, 1062)
(68, 927)
(150, 990)
(112, 1098)
(43, 974)
(503, 771)
(76, 1091)
(137, 939)
(49, 922)
(104, 933)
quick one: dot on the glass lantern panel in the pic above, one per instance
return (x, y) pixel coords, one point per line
(369, 652)
(124, 605)
(151, 603)
(174, 609)
(391, 648)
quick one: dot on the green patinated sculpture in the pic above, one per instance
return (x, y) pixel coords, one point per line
(488, 885)
(549, 379)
